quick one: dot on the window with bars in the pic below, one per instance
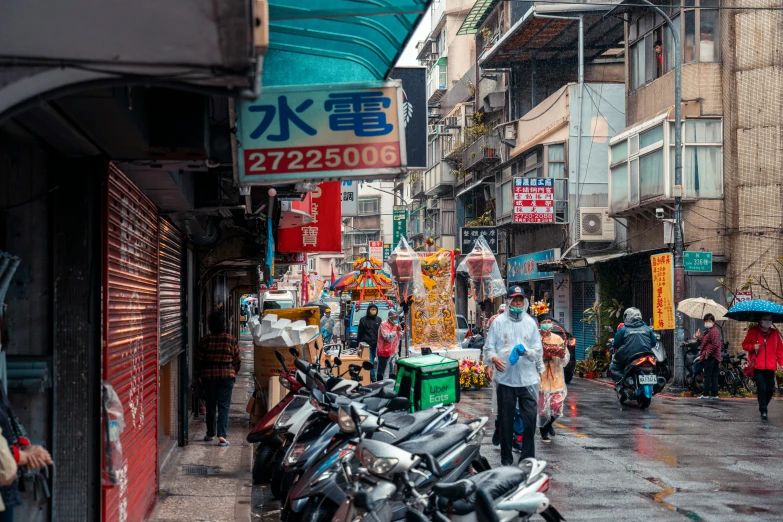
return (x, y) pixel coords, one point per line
(369, 206)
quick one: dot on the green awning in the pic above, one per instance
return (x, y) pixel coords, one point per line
(478, 13)
(337, 41)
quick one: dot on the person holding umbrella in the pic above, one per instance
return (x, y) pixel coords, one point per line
(765, 348)
(710, 356)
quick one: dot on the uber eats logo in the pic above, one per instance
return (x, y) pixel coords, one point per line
(438, 393)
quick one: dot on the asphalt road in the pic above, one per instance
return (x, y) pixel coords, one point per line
(681, 459)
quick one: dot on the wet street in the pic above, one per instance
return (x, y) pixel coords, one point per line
(682, 459)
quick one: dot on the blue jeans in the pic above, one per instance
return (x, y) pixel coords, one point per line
(7, 515)
(373, 351)
(218, 396)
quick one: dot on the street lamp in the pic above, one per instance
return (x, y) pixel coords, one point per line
(679, 272)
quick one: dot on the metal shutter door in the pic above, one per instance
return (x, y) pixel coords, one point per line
(170, 304)
(130, 326)
(582, 298)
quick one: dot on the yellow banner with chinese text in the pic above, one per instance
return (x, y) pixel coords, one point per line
(663, 292)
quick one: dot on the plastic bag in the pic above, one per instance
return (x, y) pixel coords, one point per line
(482, 268)
(114, 419)
(406, 272)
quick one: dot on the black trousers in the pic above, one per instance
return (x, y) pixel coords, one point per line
(711, 377)
(382, 363)
(508, 397)
(765, 383)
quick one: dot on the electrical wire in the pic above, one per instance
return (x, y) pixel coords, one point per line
(662, 6)
(28, 201)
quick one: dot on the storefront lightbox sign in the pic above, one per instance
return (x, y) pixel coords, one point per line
(525, 268)
(663, 291)
(321, 132)
(534, 200)
(349, 190)
(562, 287)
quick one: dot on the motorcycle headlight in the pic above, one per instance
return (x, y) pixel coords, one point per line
(296, 451)
(377, 465)
(345, 421)
(283, 419)
(284, 382)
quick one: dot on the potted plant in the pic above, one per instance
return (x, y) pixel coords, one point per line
(591, 369)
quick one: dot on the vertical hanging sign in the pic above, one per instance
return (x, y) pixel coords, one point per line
(349, 190)
(322, 234)
(663, 292)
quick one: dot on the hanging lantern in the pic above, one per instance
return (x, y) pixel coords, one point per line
(480, 263)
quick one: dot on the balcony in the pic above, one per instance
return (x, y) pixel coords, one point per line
(436, 81)
(439, 180)
(417, 187)
(482, 153)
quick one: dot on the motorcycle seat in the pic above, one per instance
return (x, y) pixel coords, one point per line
(405, 425)
(496, 482)
(438, 442)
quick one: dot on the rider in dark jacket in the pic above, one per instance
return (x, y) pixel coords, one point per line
(368, 333)
(632, 339)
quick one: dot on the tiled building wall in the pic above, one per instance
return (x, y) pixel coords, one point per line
(753, 142)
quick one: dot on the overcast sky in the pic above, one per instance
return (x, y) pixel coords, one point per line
(408, 57)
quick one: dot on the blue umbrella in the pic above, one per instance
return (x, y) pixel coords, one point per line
(752, 310)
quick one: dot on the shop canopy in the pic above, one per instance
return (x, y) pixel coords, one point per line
(337, 41)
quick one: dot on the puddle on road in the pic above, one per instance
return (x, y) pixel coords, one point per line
(748, 510)
(668, 490)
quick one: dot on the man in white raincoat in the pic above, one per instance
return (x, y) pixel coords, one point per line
(514, 354)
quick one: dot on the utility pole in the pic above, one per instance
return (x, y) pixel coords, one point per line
(679, 246)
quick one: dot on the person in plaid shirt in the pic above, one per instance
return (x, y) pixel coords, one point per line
(710, 355)
(217, 363)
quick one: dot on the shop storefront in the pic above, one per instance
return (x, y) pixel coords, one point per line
(583, 296)
(523, 270)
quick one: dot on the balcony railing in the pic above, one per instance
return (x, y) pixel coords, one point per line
(482, 153)
(439, 180)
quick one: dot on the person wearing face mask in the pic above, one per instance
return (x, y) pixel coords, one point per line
(710, 356)
(553, 386)
(368, 333)
(513, 352)
(389, 335)
(765, 351)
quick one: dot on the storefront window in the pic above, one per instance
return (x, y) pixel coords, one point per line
(651, 137)
(619, 181)
(620, 152)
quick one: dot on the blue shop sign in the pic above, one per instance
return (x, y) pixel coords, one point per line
(525, 268)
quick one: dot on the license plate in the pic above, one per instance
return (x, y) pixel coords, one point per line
(648, 379)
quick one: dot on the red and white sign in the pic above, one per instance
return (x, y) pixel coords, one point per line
(743, 296)
(534, 200)
(376, 250)
(323, 233)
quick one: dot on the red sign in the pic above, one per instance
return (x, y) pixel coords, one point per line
(323, 233)
(534, 200)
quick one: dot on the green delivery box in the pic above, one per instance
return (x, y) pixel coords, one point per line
(427, 381)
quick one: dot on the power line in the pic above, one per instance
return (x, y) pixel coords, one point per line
(662, 6)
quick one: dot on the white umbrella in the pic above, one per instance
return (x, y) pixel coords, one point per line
(698, 307)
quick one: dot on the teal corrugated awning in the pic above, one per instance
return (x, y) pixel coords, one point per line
(478, 13)
(337, 41)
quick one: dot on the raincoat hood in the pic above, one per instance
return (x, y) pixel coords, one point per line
(631, 314)
(634, 323)
(514, 316)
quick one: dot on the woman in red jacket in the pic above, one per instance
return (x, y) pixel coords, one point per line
(765, 347)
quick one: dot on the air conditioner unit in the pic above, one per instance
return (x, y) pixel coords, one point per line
(595, 224)
(432, 203)
(363, 250)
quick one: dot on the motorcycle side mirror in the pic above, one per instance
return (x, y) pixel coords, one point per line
(431, 464)
(294, 352)
(327, 364)
(367, 365)
(337, 362)
(354, 368)
(281, 359)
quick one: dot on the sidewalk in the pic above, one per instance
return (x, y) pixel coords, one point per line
(203, 481)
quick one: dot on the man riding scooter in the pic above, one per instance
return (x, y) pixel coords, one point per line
(633, 338)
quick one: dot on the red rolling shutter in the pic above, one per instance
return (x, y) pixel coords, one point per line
(130, 330)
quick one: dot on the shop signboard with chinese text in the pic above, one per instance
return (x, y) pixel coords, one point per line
(387, 250)
(376, 250)
(294, 258)
(741, 296)
(562, 312)
(399, 224)
(349, 190)
(534, 200)
(322, 132)
(470, 235)
(697, 261)
(322, 234)
(525, 268)
(663, 291)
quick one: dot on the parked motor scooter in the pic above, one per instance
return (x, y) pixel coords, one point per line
(694, 379)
